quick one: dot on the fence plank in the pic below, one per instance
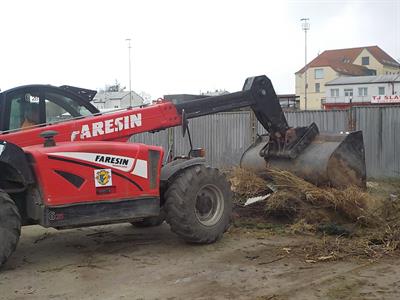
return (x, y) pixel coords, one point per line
(225, 137)
(381, 127)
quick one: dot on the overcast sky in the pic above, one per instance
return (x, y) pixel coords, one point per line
(181, 46)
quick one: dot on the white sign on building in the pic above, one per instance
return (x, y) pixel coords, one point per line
(344, 92)
(385, 99)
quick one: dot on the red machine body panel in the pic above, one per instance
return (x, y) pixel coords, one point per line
(116, 126)
(84, 172)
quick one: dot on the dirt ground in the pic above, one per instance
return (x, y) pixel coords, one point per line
(122, 262)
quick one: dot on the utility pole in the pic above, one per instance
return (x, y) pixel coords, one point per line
(305, 26)
(130, 72)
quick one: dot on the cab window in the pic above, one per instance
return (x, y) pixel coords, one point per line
(24, 110)
(28, 107)
(59, 108)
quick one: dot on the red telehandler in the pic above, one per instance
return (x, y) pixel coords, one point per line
(74, 167)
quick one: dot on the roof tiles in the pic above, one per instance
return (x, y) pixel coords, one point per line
(341, 60)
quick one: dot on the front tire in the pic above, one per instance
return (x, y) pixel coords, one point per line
(199, 204)
(10, 227)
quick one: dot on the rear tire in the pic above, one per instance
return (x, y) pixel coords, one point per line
(10, 227)
(151, 221)
(199, 204)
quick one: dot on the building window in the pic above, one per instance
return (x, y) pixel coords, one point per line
(365, 60)
(348, 92)
(371, 72)
(362, 91)
(317, 87)
(334, 92)
(381, 90)
(319, 73)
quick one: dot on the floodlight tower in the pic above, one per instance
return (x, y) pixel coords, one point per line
(130, 71)
(305, 25)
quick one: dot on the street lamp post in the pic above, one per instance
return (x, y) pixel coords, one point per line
(305, 26)
(130, 72)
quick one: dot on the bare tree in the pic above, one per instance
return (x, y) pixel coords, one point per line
(116, 87)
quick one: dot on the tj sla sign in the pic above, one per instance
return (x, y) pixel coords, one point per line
(385, 99)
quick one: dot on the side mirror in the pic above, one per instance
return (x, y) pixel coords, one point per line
(48, 137)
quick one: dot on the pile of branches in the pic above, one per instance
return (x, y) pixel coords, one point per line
(298, 199)
(245, 184)
(375, 225)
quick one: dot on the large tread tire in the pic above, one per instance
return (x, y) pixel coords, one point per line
(151, 221)
(10, 227)
(192, 186)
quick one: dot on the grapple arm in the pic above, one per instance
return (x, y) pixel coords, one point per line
(257, 93)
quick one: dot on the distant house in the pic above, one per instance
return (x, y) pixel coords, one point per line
(289, 102)
(330, 64)
(344, 92)
(215, 93)
(115, 100)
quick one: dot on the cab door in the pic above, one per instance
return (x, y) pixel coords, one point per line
(23, 108)
(34, 105)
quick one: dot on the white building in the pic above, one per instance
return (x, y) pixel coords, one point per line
(214, 93)
(115, 100)
(344, 92)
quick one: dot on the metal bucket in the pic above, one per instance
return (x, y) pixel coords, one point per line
(335, 160)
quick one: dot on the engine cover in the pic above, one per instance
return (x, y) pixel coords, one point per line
(92, 172)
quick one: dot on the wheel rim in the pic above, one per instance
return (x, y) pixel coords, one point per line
(209, 205)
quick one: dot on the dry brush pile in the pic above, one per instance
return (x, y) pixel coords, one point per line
(364, 224)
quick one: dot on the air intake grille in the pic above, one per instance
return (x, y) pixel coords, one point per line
(154, 158)
(75, 180)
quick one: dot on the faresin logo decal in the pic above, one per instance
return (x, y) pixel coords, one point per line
(119, 162)
(114, 160)
(108, 126)
(132, 165)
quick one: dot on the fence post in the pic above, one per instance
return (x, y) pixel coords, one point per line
(171, 145)
(253, 126)
(351, 126)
